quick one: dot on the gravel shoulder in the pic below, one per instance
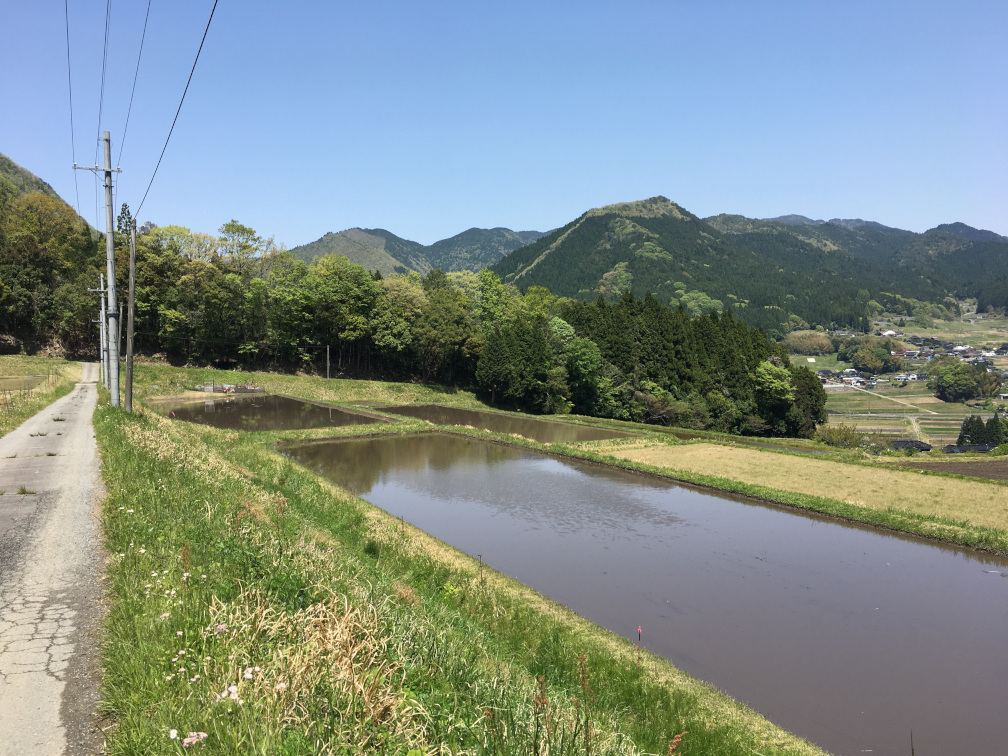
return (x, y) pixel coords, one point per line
(50, 579)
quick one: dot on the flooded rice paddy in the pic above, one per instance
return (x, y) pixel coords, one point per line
(847, 636)
(261, 412)
(536, 429)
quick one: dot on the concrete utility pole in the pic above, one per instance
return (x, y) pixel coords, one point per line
(104, 329)
(129, 318)
(110, 308)
(113, 306)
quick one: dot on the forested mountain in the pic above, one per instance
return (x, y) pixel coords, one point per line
(378, 249)
(374, 248)
(968, 232)
(16, 180)
(49, 257)
(775, 274)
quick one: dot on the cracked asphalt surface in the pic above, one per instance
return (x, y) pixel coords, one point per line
(50, 579)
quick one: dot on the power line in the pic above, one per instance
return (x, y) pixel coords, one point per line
(101, 98)
(179, 106)
(143, 36)
(73, 146)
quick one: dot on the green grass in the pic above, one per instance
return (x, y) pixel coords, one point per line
(991, 330)
(342, 631)
(822, 362)
(18, 406)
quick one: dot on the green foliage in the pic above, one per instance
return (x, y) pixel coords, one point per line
(975, 431)
(955, 381)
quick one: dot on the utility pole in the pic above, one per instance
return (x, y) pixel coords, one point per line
(129, 318)
(102, 332)
(103, 314)
(110, 315)
(327, 361)
(113, 306)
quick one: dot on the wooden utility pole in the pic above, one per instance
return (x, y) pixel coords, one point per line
(129, 318)
(327, 361)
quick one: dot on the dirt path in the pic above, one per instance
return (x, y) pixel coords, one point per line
(50, 594)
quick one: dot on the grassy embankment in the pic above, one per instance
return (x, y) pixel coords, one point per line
(970, 513)
(17, 403)
(265, 607)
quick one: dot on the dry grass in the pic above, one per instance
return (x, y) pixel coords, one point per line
(872, 487)
(329, 669)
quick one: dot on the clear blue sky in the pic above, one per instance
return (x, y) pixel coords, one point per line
(430, 118)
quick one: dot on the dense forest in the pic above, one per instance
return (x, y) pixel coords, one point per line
(237, 299)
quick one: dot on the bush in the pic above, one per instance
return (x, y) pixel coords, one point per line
(809, 343)
(845, 436)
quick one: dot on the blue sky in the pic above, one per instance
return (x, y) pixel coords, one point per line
(430, 118)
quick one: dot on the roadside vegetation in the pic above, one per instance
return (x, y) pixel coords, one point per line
(27, 384)
(258, 608)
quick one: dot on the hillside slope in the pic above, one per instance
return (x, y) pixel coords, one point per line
(772, 273)
(16, 180)
(378, 249)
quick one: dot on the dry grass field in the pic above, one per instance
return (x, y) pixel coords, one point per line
(874, 487)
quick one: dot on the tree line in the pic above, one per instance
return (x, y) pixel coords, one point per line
(237, 298)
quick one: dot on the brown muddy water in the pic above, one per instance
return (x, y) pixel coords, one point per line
(847, 636)
(261, 412)
(536, 429)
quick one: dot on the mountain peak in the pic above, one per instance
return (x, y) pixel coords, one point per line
(653, 207)
(970, 233)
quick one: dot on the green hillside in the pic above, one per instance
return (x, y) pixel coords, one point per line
(477, 248)
(15, 180)
(377, 249)
(774, 274)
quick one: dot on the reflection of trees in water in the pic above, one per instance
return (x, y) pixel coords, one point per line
(264, 412)
(521, 484)
(544, 431)
(359, 464)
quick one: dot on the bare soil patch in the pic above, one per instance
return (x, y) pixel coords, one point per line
(991, 469)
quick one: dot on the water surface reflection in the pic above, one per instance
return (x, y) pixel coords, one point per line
(847, 636)
(537, 429)
(261, 412)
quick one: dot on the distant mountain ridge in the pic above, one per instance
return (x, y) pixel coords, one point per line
(381, 250)
(968, 232)
(776, 273)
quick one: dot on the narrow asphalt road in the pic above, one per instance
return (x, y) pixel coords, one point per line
(50, 568)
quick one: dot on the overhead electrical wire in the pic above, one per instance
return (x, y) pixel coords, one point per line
(129, 110)
(73, 146)
(101, 97)
(101, 103)
(179, 107)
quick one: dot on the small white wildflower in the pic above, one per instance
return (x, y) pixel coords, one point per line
(173, 734)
